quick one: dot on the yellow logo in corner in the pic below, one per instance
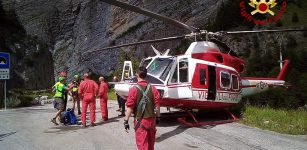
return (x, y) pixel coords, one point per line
(262, 6)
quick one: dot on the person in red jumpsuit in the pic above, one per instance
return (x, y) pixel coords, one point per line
(88, 91)
(146, 131)
(103, 95)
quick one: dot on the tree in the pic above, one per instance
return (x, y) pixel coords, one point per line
(305, 32)
(295, 17)
(291, 42)
(123, 57)
(279, 23)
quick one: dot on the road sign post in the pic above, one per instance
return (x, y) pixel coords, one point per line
(4, 94)
(4, 71)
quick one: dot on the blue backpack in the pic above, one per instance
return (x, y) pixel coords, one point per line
(68, 117)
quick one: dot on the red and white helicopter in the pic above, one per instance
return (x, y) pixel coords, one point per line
(202, 78)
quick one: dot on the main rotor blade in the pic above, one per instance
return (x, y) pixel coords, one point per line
(151, 14)
(260, 31)
(141, 42)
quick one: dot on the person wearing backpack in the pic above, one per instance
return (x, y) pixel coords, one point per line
(144, 101)
(59, 89)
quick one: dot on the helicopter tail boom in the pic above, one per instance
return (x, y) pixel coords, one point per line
(251, 85)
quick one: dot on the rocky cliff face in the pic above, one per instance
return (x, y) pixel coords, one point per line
(71, 28)
(31, 61)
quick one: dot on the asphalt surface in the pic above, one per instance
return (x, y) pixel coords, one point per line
(30, 128)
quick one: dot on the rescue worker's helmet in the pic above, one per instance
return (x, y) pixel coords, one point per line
(76, 77)
(61, 79)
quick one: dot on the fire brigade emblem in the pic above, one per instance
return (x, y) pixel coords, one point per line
(262, 6)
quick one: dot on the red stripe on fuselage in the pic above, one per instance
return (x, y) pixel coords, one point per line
(193, 104)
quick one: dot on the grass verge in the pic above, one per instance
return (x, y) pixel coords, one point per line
(112, 95)
(283, 121)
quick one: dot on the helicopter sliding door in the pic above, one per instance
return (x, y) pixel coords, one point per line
(212, 83)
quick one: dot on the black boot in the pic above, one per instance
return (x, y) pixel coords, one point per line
(53, 120)
(93, 124)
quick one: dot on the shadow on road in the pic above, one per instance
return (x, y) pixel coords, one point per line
(114, 119)
(170, 119)
(174, 132)
(2, 136)
(63, 128)
(66, 128)
(178, 130)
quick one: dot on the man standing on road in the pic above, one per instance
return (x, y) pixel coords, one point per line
(65, 93)
(115, 79)
(144, 101)
(59, 89)
(103, 95)
(74, 93)
(123, 102)
(88, 91)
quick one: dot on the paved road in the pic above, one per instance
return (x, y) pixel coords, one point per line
(29, 128)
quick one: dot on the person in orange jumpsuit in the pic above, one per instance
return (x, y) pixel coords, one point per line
(145, 131)
(88, 91)
(103, 95)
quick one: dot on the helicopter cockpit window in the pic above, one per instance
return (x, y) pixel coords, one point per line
(183, 70)
(146, 62)
(235, 83)
(160, 67)
(225, 80)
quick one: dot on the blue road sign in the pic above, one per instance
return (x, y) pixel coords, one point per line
(4, 60)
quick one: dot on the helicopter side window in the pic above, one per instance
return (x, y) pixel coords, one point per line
(225, 80)
(175, 76)
(202, 77)
(183, 70)
(235, 83)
